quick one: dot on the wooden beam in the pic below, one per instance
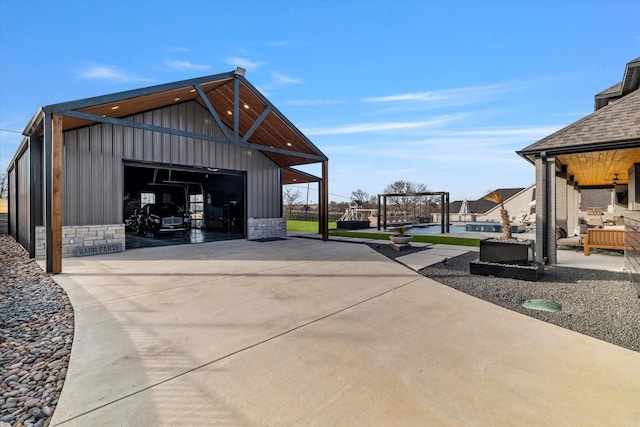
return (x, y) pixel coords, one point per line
(56, 190)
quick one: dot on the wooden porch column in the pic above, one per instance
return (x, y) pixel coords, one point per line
(53, 159)
(324, 201)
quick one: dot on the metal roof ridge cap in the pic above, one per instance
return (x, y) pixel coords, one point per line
(132, 93)
(35, 122)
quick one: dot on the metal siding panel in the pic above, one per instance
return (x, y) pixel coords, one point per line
(109, 195)
(128, 145)
(12, 202)
(23, 200)
(166, 138)
(83, 195)
(95, 186)
(70, 178)
(147, 138)
(118, 172)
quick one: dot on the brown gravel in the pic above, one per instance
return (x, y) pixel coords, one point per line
(36, 333)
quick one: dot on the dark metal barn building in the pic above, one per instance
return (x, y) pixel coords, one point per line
(214, 146)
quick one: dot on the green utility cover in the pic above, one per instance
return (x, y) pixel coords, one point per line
(542, 304)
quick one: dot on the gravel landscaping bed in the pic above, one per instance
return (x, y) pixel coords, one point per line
(601, 304)
(36, 333)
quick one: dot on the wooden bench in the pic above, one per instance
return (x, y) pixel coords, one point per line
(603, 238)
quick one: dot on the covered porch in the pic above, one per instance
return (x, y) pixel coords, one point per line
(599, 152)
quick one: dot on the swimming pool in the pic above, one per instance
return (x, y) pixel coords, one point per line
(434, 229)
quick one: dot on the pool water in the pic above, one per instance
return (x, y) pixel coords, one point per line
(434, 229)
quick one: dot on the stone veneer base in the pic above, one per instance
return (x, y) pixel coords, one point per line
(74, 236)
(266, 228)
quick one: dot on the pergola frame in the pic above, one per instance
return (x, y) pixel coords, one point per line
(48, 122)
(444, 206)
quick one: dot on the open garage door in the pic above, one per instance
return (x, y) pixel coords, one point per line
(171, 205)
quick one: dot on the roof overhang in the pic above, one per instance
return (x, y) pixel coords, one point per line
(294, 176)
(245, 116)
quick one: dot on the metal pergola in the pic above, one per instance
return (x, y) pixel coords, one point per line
(444, 206)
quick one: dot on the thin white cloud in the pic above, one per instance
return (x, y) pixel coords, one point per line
(281, 79)
(111, 74)
(277, 43)
(177, 49)
(305, 102)
(245, 63)
(380, 126)
(455, 96)
(185, 65)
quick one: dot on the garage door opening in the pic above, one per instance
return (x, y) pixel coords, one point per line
(168, 205)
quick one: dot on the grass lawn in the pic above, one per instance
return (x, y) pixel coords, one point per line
(425, 238)
(312, 227)
(306, 226)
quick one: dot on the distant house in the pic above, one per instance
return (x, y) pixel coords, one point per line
(517, 201)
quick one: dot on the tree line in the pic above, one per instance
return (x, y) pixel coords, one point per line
(418, 206)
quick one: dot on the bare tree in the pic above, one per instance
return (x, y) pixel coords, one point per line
(290, 198)
(4, 185)
(368, 201)
(407, 202)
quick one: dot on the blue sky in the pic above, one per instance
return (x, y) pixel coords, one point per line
(438, 93)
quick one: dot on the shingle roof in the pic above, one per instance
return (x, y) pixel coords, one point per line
(482, 206)
(618, 121)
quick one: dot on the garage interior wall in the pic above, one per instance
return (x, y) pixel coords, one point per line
(93, 163)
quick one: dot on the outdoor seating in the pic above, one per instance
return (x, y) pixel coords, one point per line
(603, 238)
(562, 239)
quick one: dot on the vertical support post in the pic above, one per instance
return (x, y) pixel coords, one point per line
(442, 212)
(53, 161)
(385, 213)
(545, 209)
(379, 213)
(236, 109)
(324, 205)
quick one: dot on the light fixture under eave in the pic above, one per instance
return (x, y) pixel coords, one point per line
(239, 71)
(289, 144)
(115, 107)
(246, 106)
(177, 99)
(229, 112)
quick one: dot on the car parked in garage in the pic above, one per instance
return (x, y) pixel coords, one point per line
(156, 218)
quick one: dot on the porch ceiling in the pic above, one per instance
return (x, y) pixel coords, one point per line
(598, 168)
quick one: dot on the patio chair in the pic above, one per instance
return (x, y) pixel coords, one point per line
(562, 239)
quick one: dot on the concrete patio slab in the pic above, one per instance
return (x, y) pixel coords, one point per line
(305, 332)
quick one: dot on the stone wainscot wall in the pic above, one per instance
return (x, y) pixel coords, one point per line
(266, 228)
(81, 236)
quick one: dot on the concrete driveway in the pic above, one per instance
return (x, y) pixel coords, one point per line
(304, 332)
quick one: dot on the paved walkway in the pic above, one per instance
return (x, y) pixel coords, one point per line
(304, 332)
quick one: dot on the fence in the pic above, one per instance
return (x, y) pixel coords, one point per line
(310, 216)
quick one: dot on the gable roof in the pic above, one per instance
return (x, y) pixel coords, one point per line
(630, 82)
(482, 205)
(616, 125)
(245, 116)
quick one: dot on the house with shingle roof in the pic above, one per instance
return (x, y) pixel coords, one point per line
(601, 150)
(516, 202)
